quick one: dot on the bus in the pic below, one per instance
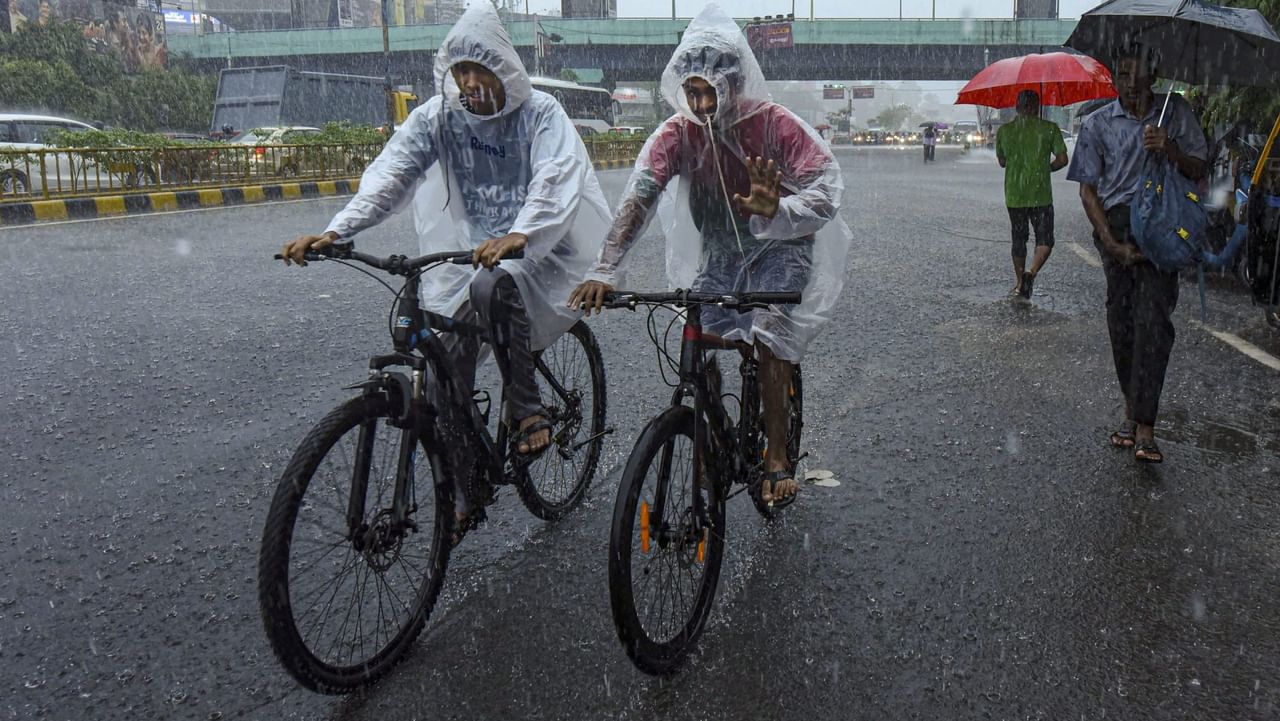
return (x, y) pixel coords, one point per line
(591, 109)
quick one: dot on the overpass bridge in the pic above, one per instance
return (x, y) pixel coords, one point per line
(637, 49)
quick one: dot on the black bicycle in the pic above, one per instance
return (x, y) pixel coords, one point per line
(667, 539)
(359, 532)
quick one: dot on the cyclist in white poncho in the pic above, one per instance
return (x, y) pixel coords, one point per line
(749, 196)
(493, 166)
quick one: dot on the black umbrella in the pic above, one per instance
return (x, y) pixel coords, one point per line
(1088, 107)
(1196, 43)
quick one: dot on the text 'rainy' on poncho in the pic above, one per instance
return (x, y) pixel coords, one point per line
(523, 169)
(689, 168)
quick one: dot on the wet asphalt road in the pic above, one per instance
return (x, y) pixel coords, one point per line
(985, 556)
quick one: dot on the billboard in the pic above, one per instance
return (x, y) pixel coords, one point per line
(769, 36)
(136, 34)
(833, 92)
(862, 92)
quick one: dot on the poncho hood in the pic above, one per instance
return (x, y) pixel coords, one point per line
(713, 48)
(480, 37)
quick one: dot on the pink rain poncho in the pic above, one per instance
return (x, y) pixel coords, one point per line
(690, 168)
(475, 177)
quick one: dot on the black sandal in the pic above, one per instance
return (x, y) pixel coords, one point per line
(1028, 282)
(1148, 452)
(773, 477)
(461, 526)
(523, 437)
(1124, 437)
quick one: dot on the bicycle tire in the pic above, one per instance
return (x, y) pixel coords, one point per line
(795, 424)
(665, 654)
(570, 463)
(282, 593)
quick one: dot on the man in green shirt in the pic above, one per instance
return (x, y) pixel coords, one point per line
(1023, 148)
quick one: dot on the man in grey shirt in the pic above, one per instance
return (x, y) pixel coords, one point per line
(1112, 148)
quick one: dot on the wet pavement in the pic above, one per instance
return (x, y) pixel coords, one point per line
(985, 555)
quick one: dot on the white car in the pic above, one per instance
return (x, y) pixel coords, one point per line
(22, 173)
(271, 160)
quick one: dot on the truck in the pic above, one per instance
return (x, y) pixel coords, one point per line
(273, 96)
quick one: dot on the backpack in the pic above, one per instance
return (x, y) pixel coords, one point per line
(1169, 222)
(1167, 218)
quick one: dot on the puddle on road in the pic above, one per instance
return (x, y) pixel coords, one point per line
(1213, 436)
(1043, 307)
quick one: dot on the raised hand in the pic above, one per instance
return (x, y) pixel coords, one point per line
(766, 188)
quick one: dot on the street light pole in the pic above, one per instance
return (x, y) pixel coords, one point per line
(386, 66)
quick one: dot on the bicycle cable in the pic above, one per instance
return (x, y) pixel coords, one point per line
(395, 302)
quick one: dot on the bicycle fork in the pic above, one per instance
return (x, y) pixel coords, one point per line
(389, 525)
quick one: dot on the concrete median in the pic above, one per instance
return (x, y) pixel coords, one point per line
(106, 206)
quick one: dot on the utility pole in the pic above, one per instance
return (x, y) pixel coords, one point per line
(386, 67)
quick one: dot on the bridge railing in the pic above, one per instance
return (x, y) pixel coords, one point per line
(54, 173)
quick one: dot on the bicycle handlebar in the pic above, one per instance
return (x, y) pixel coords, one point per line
(393, 264)
(627, 299)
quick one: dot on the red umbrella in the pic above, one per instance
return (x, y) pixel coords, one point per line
(1060, 78)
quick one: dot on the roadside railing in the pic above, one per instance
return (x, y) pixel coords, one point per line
(614, 149)
(54, 173)
(51, 173)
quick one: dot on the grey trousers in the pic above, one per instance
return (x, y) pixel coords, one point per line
(496, 305)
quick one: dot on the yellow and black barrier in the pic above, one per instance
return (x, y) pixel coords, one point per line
(613, 164)
(106, 206)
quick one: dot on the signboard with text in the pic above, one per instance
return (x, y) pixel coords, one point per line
(862, 92)
(769, 36)
(833, 92)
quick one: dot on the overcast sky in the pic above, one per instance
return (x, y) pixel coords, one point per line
(831, 8)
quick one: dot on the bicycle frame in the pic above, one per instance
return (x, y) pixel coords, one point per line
(413, 331)
(715, 449)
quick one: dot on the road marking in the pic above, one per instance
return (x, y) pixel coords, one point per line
(1242, 345)
(1090, 258)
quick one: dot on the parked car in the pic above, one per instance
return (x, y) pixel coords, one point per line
(21, 174)
(283, 162)
(627, 130)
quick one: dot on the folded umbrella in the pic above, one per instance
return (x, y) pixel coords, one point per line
(1059, 78)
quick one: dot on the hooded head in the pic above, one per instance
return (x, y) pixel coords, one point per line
(714, 56)
(479, 39)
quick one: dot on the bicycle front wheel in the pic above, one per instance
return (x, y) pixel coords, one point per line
(570, 377)
(341, 606)
(664, 551)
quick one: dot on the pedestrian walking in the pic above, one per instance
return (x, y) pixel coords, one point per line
(1029, 148)
(930, 136)
(1112, 148)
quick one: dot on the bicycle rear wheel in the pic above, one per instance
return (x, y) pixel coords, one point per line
(341, 608)
(664, 561)
(795, 424)
(571, 382)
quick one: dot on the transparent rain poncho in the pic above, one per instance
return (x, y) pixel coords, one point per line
(473, 177)
(689, 170)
